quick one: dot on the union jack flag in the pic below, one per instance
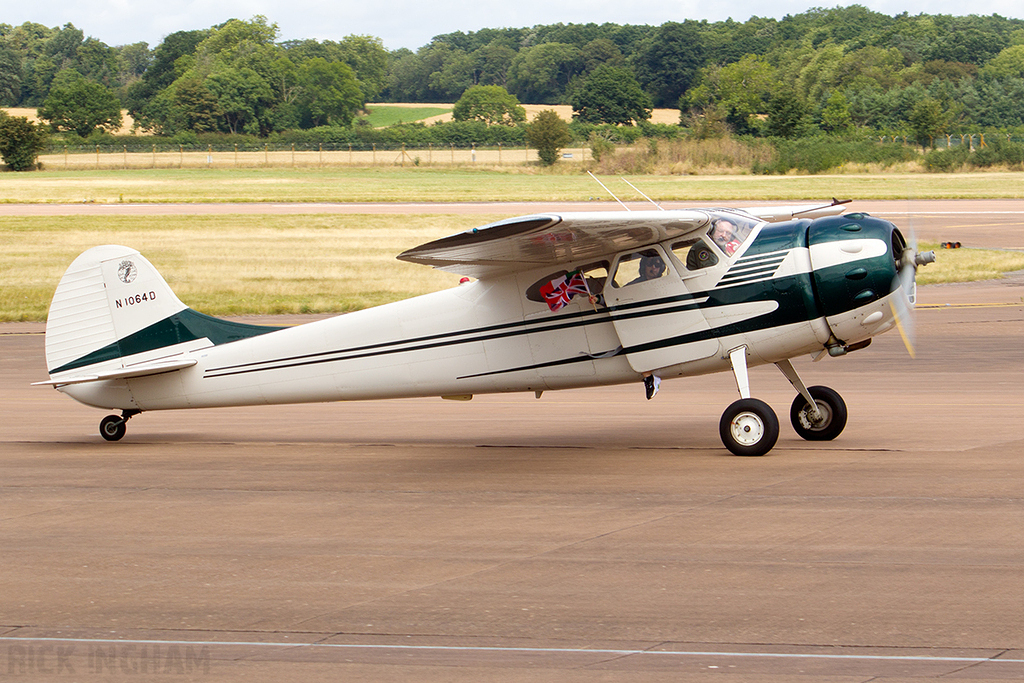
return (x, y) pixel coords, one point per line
(562, 289)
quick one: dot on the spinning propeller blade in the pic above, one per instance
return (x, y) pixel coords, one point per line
(905, 288)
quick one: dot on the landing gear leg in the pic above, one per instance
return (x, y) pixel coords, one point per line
(113, 428)
(818, 413)
(749, 426)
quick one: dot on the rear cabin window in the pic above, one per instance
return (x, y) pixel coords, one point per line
(594, 277)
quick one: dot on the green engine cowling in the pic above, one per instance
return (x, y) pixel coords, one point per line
(855, 263)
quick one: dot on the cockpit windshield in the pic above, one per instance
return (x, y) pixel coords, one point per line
(730, 230)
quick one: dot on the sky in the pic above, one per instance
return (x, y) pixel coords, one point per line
(412, 23)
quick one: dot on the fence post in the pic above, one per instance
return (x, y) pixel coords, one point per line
(375, 154)
(236, 155)
(350, 154)
(499, 154)
(154, 156)
(453, 152)
(65, 157)
(430, 153)
(97, 157)
(209, 156)
(124, 149)
(293, 155)
(321, 163)
(181, 155)
(266, 155)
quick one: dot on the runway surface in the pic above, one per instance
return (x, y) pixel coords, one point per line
(587, 536)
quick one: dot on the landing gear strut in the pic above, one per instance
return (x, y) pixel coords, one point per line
(750, 427)
(113, 428)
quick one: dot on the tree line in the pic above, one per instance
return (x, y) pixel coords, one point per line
(842, 71)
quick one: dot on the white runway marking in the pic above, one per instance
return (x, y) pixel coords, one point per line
(520, 650)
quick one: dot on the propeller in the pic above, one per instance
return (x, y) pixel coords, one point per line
(905, 287)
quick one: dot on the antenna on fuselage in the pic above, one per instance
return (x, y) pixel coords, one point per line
(660, 207)
(608, 191)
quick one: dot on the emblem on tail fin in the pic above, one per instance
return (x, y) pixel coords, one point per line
(127, 272)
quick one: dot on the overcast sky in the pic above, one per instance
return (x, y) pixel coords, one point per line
(412, 23)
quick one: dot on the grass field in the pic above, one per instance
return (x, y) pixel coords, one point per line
(460, 184)
(224, 265)
(383, 115)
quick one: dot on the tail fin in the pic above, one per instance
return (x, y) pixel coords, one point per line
(112, 310)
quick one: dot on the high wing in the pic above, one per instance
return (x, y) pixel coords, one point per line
(559, 238)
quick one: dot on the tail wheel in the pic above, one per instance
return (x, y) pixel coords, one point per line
(749, 427)
(833, 415)
(113, 428)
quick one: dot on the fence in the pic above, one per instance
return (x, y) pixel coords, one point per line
(284, 156)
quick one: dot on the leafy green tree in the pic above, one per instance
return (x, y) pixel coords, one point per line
(1007, 64)
(330, 93)
(543, 72)
(492, 63)
(196, 107)
(786, 112)
(81, 106)
(10, 76)
(835, 117)
(926, 121)
(242, 96)
(611, 94)
(491, 104)
(369, 61)
(548, 134)
(21, 141)
(667, 62)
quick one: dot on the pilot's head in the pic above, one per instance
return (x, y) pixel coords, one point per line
(723, 232)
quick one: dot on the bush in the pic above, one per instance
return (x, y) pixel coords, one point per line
(548, 134)
(819, 154)
(947, 160)
(21, 141)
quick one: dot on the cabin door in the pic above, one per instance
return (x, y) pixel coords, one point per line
(655, 304)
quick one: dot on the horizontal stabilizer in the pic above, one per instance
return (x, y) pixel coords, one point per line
(157, 367)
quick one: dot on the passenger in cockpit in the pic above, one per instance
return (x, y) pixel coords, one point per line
(651, 268)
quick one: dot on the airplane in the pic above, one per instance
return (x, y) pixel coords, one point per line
(547, 302)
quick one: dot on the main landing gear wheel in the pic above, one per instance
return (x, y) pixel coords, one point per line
(749, 427)
(833, 415)
(113, 428)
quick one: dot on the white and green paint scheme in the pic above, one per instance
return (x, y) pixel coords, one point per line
(792, 281)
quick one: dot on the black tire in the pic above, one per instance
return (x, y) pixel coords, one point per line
(830, 404)
(113, 428)
(749, 427)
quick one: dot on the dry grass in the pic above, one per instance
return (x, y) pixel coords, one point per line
(968, 265)
(718, 157)
(224, 265)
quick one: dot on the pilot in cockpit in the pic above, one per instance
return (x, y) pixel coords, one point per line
(724, 234)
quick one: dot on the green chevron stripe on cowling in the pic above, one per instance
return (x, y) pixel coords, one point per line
(188, 325)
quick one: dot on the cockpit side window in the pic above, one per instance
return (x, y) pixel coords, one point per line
(729, 232)
(694, 253)
(640, 266)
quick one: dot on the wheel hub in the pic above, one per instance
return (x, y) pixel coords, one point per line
(747, 429)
